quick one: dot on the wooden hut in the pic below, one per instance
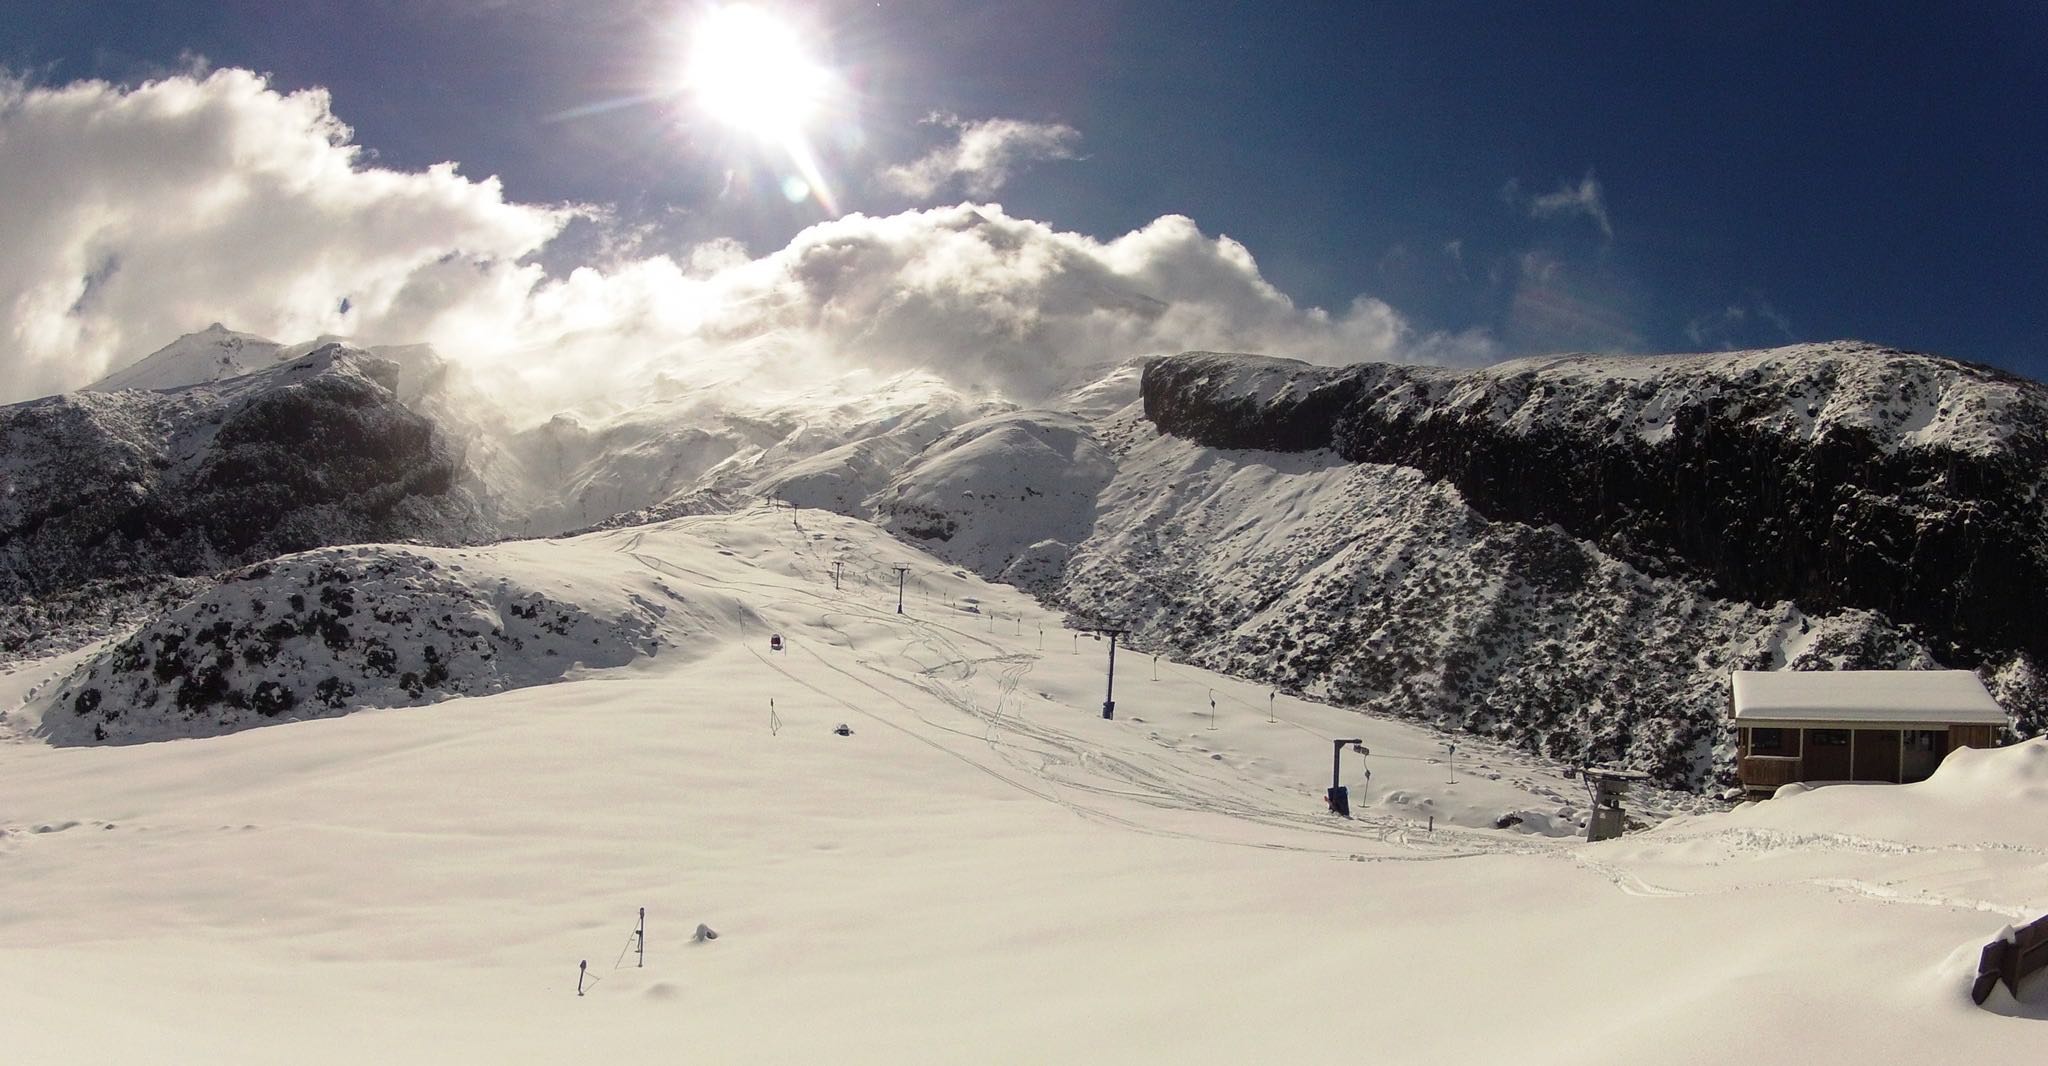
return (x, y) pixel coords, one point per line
(1855, 725)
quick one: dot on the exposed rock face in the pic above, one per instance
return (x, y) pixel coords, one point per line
(134, 485)
(1835, 476)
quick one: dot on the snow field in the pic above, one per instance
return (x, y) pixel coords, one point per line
(984, 871)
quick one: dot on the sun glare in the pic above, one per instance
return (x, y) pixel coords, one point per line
(751, 70)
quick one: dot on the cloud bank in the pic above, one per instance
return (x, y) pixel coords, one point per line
(132, 215)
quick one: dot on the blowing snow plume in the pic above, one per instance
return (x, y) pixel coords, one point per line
(142, 213)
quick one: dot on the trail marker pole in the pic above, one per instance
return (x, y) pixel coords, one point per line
(1077, 644)
(1270, 697)
(1453, 749)
(1041, 636)
(774, 720)
(640, 939)
(1212, 708)
(900, 571)
(1155, 667)
(582, 968)
(837, 566)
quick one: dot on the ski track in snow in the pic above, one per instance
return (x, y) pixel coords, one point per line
(1042, 752)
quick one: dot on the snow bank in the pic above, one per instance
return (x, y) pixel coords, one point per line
(1995, 794)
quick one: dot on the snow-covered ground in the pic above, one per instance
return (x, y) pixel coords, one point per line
(984, 870)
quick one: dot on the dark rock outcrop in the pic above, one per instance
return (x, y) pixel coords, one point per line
(1837, 476)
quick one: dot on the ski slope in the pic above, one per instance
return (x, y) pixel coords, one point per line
(984, 870)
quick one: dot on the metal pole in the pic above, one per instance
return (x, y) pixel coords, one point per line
(640, 937)
(900, 571)
(581, 969)
(1109, 694)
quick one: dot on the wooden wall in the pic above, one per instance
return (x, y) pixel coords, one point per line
(1971, 736)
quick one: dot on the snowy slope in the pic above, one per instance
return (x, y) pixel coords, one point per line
(211, 354)
(1006, 496)
(983, 870)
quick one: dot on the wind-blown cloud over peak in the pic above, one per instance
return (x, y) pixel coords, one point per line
(135, 215)
(1585, 198)
(982, 157)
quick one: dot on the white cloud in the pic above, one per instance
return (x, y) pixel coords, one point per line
(132, 216)
(1586, 198)
(982, 157)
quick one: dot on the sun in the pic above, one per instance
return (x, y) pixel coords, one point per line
(750, 70)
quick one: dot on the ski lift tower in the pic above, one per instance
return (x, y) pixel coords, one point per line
(1339, 797)
(1609, 788)
(1109, 692)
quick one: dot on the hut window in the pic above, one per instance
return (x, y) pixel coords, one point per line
(1767, 741)
(1925, 739)
(1830, 738)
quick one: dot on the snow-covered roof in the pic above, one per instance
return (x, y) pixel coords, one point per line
(1889, 697)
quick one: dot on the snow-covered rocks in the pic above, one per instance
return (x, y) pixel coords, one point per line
(330, 631)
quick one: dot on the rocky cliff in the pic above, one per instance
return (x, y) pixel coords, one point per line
(1836, 476)
(1571, 553)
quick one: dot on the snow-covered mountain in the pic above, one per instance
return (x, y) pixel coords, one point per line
(833, 447)
(125, 489)
(1568, 554)
(211, 354)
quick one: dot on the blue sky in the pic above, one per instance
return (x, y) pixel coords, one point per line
(1679, 177)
